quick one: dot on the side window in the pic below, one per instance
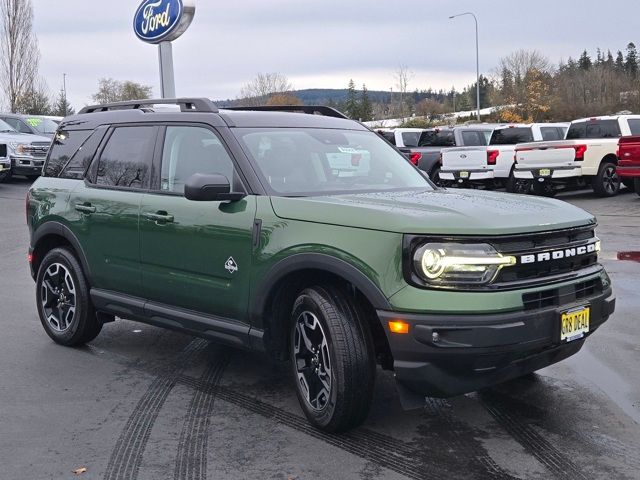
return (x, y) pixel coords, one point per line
(65, 144)
(634, 126)
(190, 150)
(79, 163)
(474, 139)
(126, 159)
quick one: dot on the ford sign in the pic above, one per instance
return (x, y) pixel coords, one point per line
(159, 21)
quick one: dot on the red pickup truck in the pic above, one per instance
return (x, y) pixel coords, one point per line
(629, 161)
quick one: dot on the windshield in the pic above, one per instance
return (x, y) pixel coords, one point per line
(6, 128)
(42, 125)
(511, 136)
(307, 161)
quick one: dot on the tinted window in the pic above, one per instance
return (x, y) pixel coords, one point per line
(79, 163)
(126, 159)
(594, 129)
(64, 146)
(437, 138)
(551, 133)
(472, 138)
(308, 161)
(389, 136)
(189, 150)
(411, 139)
(511, 136)
(634, 125)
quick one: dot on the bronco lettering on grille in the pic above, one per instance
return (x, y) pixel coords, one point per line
(560, 254)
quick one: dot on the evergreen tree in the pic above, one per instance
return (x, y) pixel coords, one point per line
(599, 56)
(584, 62)
(351, 106)
(62, 108)
(366, 109)
(609, 62)
(631, 62)
(619, 61)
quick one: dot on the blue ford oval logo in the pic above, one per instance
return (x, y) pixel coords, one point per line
(162, 20)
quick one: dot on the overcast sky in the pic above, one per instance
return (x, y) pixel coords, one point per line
(320, 44)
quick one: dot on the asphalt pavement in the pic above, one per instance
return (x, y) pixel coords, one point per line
(145, 403)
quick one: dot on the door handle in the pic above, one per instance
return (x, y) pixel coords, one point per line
(159, 217)
(85, 208)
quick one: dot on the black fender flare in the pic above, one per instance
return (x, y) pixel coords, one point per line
(58, 229)
(315, 261)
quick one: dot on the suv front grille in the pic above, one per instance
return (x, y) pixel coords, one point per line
(39, 149)
(562, 296)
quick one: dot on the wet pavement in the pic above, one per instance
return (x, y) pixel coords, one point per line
(145, 403)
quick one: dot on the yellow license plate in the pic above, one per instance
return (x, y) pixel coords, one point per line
(574, 324)
(464, 174)
(545, 172)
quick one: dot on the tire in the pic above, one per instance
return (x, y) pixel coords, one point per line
(544, 189)
(514, 185)
(636, 185)
(62, 296)
(435, 176)
(606, 183)
(326, 328)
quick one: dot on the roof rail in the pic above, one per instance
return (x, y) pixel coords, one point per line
(309, 109)
(186, 105)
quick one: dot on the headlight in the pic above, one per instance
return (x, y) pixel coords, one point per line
(453, 264)
(21, 148)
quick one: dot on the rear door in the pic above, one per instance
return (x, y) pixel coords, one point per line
(106, 208)
(196, 255)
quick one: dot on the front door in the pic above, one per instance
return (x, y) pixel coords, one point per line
(196, 255)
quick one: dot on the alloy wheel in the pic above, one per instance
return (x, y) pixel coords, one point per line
(313, 361)
(610, 180)
(58, 297)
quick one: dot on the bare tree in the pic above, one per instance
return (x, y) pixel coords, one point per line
(18, 49)
(110, 91)
(258, 90)
(402, 76)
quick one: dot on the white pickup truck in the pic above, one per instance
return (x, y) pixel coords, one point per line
(588, 156)
(492, 166)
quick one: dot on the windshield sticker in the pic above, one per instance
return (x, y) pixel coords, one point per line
(348, 150)
(34, 122)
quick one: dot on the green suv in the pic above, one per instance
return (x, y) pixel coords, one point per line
(298, 232)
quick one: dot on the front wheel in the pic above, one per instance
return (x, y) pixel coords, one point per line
(332, 359)
(606, 183)
(62, 296)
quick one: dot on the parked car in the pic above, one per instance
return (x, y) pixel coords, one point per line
(25, 152)
(628, 168)
(310, 238)
(586, 158)
(31, 124)
(5, 162)
(492, 166)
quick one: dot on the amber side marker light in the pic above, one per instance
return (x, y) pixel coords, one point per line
(396, 326)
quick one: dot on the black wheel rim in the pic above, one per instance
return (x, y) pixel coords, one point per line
(58, 297)
(610, 180)
(312, 361)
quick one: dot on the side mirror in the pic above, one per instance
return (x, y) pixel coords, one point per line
(210, 188)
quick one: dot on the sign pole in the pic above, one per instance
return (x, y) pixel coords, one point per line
(167, 77)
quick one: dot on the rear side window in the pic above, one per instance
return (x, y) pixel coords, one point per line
(388, 136)
(634, 126)
(511, 136)
(410, 139)
(550, 134)
(126, 159)
(471, 138)
(594, 129)
(64, 146)
(79, 163)
(437, 138)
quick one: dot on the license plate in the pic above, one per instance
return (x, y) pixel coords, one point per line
(574, 324)
(464, 174)
(545, 172)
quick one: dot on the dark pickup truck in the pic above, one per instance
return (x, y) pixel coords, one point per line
(423, 147)
(628, 168)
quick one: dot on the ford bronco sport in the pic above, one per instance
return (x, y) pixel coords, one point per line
(305, 235)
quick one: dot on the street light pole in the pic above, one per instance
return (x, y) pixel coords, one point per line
(477, 59)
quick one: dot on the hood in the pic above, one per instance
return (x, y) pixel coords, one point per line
(439, 212)
(22, 138)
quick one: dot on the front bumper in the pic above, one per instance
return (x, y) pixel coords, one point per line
(448, 355)
(26, 166)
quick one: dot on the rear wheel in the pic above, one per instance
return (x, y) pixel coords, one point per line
(332, 359)
(64, 306)
(435, 176)
(517, 185)
(606, 183)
